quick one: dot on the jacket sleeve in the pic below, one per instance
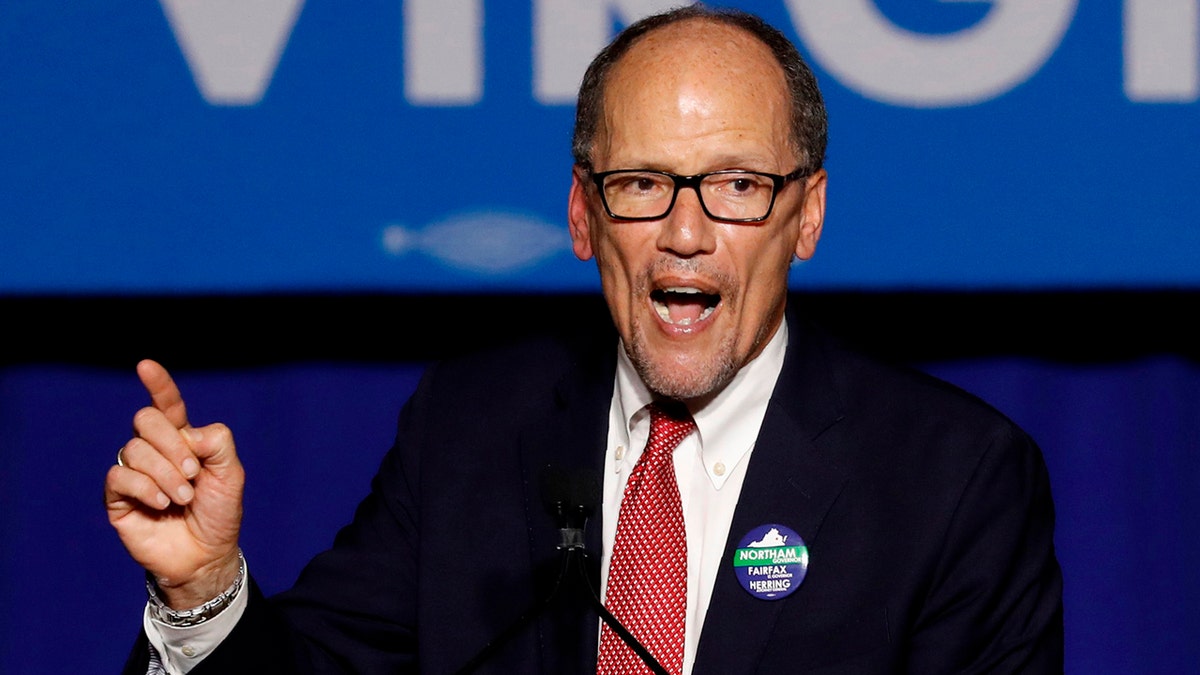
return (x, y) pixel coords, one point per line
(995, 603)
(259, 643)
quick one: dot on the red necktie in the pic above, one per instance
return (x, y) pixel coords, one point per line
(647, 577)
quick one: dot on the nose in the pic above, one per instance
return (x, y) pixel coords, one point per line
(686, 230)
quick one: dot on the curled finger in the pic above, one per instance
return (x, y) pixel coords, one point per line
(145, 459)
(126, 487)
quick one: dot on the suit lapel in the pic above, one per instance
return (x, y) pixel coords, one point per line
(789, 481)
(571, 438)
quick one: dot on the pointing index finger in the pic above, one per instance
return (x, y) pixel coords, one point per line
(163, 392)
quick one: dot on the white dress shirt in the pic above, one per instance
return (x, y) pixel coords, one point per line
(710, 466)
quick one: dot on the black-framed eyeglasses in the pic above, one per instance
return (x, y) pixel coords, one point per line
(732, 196)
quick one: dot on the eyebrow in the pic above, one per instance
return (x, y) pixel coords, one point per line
(725, 163)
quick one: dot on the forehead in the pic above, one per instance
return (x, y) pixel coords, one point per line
(697, 93)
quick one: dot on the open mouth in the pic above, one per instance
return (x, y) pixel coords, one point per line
(683, 306)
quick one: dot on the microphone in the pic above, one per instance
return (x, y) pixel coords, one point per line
(570, 497)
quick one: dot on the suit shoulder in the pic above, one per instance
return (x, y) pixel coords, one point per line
(904, 396)
(525, 369)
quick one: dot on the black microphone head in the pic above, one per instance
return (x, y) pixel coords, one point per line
(570, 495)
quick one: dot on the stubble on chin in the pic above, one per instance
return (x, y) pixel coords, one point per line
(683, 379)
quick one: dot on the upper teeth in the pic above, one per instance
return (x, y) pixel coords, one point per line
(665, 313)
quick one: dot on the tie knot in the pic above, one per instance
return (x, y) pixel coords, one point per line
(670, 422)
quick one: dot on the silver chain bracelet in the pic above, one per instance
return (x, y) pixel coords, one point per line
(197, 615)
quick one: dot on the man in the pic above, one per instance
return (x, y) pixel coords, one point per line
(840, 516)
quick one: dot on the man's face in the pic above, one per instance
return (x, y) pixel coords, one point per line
(695, 299)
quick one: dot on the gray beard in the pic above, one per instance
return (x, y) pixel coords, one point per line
(707, 380)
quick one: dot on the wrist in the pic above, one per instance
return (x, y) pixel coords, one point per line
(182, 618)
(178, 591)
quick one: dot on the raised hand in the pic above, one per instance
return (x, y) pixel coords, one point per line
(175, 496)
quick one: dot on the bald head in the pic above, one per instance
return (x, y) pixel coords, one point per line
(670, 39)
(692, 82)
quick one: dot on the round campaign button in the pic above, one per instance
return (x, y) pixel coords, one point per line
(771, 561)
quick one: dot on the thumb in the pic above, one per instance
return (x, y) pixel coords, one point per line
(213, 445)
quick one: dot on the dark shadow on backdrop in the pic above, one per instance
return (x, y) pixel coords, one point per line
(1077, 327)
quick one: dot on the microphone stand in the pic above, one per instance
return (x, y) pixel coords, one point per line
(515, 627)
(571, 545)
(620, 629)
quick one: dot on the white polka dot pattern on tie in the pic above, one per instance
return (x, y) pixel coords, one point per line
(647, 577)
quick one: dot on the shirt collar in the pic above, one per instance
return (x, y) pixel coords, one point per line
(727, 425)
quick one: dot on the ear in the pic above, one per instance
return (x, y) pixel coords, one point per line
(579, 216)
(812, 215)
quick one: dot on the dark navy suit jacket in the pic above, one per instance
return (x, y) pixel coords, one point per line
(927, 514)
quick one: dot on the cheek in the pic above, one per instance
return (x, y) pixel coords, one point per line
(619, 256)
(762, 271)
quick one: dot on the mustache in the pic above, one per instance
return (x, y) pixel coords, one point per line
(669, 265)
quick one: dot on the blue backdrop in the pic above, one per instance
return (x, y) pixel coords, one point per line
(423, 145)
